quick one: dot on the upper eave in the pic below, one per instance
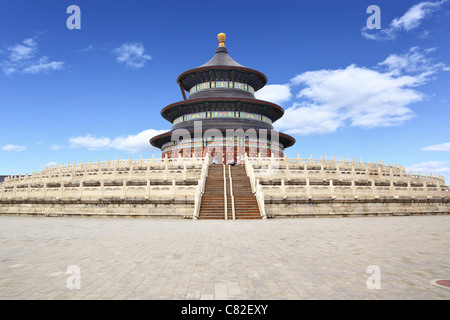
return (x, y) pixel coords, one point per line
(198, 75)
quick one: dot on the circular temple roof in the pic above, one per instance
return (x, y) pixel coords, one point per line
(222, 67)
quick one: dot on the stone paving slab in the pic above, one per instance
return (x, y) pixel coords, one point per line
(286, 259)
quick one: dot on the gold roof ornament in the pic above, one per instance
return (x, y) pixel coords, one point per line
(221, 37)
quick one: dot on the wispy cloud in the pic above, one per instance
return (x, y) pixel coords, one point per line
(43, 65)
(131, 143)
(86, 49)
(438, 147)
(57, 147)
(23, 51)
(23, 58)
(132, 55)
(415, 61)
(12, 147)
(329, 100)
(412, 19)
(430, 167)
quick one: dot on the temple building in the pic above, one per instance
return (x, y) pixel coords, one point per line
(222, 117)
(222, 123)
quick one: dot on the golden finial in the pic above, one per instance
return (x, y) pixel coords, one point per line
(221, 37)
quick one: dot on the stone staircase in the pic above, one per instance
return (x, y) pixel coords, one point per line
(245, 204)
(213, 200)
(213, 204)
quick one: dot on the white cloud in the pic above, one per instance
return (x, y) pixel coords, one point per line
(57, 147)
(132, 143)
(276, 93)
(11, 147)
(23, 51)
(138, 142)
(414, 61)
(90, 142)
(132, 55)
(358, 96)
(412, 18)
(430, 167)
(43, 66)
(86, 49)
(23, 58)
(438, 147)
(308, 119)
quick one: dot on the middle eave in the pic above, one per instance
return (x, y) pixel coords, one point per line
(178, 109)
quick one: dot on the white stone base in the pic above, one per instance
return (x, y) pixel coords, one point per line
(180, 208)
(327, 207)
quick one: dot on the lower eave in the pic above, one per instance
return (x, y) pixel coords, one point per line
(159, 140)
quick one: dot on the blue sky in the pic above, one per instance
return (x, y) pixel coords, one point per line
(348, 91)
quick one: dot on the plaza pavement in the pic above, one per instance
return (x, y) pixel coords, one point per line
(322, 258)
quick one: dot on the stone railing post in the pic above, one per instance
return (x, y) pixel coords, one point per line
(288, 171)
(81, 189)
(174, 188)
(260, 200)
(197, 202)
(225, 192)
(409, 189)
(354, 189)
(308, 189)
(166, 169)
(231, 194)
(201, 186)
(391, 188)
(72, 175)
(283, 189)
